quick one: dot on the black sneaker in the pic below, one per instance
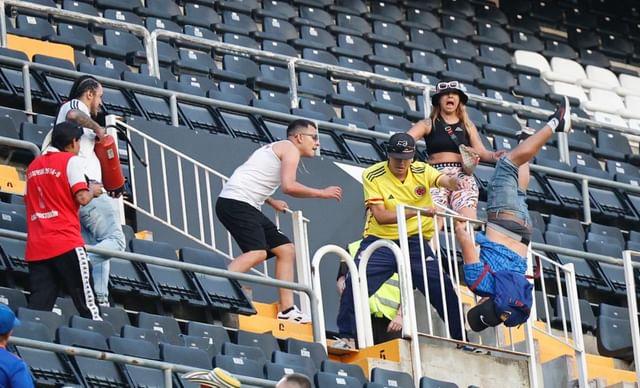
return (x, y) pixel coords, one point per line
(560, 120)
(524, 134)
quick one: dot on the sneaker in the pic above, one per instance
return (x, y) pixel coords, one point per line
(217, 378)
(524, 134)
(344, 343)
(560, 120)
(294, 314)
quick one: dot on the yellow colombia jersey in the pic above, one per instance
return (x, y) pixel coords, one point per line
(382, 187)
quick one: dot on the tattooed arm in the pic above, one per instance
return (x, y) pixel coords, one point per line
(84, 120)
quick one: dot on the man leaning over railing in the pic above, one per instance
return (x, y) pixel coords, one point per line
(497, 272)
(386, 184)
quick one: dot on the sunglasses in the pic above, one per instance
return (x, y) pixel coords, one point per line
(313, 136)
(447, 85)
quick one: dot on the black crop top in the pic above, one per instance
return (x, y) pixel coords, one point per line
(438, 140)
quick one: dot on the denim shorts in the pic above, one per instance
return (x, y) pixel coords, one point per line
(503, 193)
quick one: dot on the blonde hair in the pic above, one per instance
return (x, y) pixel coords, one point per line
(461, 113)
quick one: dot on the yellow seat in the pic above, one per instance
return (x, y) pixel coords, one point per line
(34, 46)
(10, 181)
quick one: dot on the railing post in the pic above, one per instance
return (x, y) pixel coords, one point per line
(293, 79)
(110, 122)
(173, 106)
(303, 261)
(576, 325)
(26, 89)
(563, 147)
(409, 324)
(633, 308)
(168, 378)
(528, 330)
(3, 25)
(355, 288)
(151, 49)
(426, 104)
(586, 199)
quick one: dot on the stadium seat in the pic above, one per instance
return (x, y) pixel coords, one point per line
(427, 382)
(222, 293)
(244, 351)
(391, 378)
(265, 341)
(587, 317)
(456, 27)
(104, 328)
(197, 14)
(344, 370)
(12, 298)
(461, 70)
(605, 101)
(33, 330)
(82, 338)
(614, 337)
(166, 327)
(330, 380)
(49, 368)
(116, 316)
(50, 319)
(185, 356)
(215, 335)
(240, 366)
(612, 145)
(312, 350)
(359, 117)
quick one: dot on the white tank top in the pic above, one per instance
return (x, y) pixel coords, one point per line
(256, 179)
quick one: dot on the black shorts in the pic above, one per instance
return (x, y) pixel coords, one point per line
(251, 229)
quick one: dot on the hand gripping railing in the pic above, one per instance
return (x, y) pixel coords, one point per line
(355, 282)
(318, 325)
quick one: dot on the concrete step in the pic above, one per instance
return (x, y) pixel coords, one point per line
(442, 360)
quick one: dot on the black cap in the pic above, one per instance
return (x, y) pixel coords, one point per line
(448, 87)
(64, 133)
(483, 315)
(401, 146)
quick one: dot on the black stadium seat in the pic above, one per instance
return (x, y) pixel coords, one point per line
(329, 380)
(239, 366)
(167, 328)
(244, 351)
(427, 382)
(341, 369)
(391, 378)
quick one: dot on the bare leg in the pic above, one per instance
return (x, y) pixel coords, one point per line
(467, 247)
(285, 264)
(526, 150)
(469, 212)
(247, 260)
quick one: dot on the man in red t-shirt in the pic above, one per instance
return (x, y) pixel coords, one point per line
(56, 187)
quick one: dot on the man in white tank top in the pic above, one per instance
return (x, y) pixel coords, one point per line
(252, 184)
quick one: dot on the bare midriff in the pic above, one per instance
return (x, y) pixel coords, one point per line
(445, 157)
(516, 246)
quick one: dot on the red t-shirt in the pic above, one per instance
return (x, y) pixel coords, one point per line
(53, 223)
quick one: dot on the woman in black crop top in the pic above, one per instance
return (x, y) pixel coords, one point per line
(448, 114)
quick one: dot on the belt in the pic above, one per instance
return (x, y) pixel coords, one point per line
(506, 215)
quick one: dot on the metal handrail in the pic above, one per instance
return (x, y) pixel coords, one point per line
(22, 144)
(73, 16)
(365, 75)
(152, 58)
(318, 326)
(167, 367)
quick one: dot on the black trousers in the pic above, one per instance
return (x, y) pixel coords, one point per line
(380, 333)
(69, 271)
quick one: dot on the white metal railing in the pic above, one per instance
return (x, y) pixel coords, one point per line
(576, 342)
(449, 218)
(632, 304)
(178, 212)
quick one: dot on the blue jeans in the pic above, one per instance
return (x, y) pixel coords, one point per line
(381, 265)
(101, 227)
(504, 194)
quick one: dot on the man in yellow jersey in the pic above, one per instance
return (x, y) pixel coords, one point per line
(387, 184)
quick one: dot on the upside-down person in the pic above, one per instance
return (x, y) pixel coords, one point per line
(497, 269)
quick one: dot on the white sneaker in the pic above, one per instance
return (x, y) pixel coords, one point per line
(294, 314)
(344, 343)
